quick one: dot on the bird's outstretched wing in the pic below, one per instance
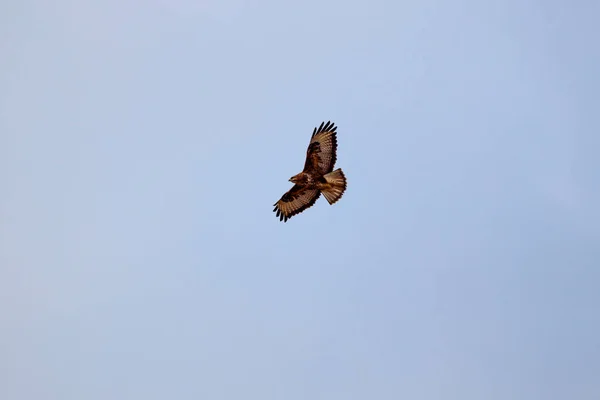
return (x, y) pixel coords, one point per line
(296, 200)
(322, 150)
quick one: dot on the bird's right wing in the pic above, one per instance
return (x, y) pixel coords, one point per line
(296, 200)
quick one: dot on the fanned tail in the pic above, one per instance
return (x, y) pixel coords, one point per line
(337, 186)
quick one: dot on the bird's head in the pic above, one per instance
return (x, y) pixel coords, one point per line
(295, 178)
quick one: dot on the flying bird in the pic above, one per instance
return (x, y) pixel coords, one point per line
(317, 177)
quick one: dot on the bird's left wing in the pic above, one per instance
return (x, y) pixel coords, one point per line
(296, 200)
(322, 149)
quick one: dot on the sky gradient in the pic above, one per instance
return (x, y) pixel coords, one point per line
(143, 144)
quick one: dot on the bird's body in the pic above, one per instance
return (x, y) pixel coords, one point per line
(317, 177)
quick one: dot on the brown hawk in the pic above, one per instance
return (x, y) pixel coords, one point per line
(317, 177)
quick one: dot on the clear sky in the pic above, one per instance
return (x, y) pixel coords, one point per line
(143, 144)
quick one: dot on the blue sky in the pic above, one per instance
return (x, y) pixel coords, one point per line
(142, 145)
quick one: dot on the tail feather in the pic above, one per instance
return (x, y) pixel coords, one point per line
(337, 186)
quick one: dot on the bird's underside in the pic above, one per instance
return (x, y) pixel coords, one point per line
(317, 177)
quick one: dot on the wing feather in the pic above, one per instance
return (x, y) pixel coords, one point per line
(296, 200)
(321, 154)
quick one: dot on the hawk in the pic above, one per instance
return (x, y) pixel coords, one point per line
(317, 177)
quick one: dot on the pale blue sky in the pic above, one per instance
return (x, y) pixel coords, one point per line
(144, 143)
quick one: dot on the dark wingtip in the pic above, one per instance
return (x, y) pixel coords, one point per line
(329, 126)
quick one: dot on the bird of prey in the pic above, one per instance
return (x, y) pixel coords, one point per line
(317, 177)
